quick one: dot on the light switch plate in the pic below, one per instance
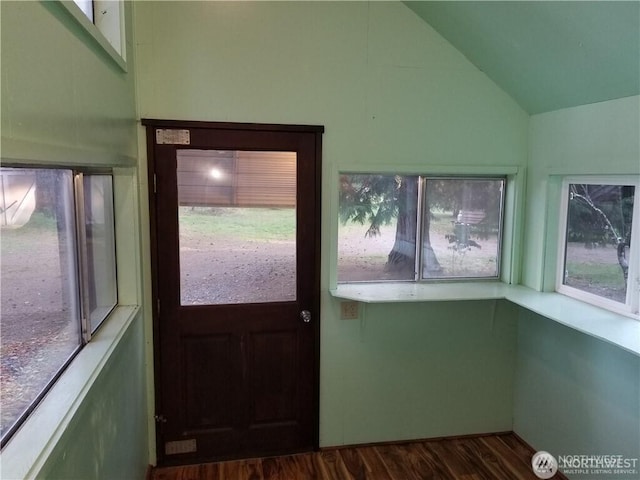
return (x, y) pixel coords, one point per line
(349, 310)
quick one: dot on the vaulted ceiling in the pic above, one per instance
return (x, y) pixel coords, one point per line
(546, 54)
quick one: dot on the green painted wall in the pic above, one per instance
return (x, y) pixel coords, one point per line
(416, 371)
(65, 101)
(389, 90)
(107, 437)
(60, 89)
(601, 138)
(574, 394)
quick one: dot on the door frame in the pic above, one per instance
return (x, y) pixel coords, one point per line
(151, 126)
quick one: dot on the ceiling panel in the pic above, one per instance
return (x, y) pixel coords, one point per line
(546, 54)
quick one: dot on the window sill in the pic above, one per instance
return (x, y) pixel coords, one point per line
(611, 327)
(26, 453)
(419, 292)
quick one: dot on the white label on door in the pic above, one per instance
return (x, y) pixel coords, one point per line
(173, 137)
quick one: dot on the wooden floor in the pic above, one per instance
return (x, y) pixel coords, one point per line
(492, 457)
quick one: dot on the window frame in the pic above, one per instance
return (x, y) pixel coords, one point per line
(422, 192)
(82, 254)
(631, 305)
(100, 33)
(512, 216)
(81, 280)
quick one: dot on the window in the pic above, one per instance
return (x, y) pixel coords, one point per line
(455, 221)
(104, 21)
(57, 261)
(87, 8)
(235, 201)
(598, 249)
(99, 248)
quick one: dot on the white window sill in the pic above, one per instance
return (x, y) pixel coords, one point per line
(611, 327)
(26, 453)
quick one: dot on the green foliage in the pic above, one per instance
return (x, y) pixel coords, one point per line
(600, 214)
(465, 194)
(371, 199)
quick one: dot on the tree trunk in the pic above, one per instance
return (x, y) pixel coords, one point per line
(403, 254)
(430, 264)
(622, 258)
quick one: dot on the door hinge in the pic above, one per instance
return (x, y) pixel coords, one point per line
(155, 183)
(160, 418)
(158, 306)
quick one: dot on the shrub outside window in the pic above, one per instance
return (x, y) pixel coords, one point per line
(598, 253)
(455, 221)
(56, 261)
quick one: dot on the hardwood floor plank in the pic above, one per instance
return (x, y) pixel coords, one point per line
(446, 454)
(233, 470)
(331, 461)
(420, 464)
(499, 466)
(467, 454)
(354, 464)
(518, 466)
(254, 469)
(306, 466)
(287, 467)
(190, 472)
(438, 469)
(320, 467)
(394, 458)
(517, 446)
(271, 469)
(373, 463)
(211, 471)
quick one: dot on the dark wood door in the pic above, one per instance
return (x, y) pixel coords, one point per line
(235, 220)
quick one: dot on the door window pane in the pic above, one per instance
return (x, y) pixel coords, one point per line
(237, 223)
(39, 309)
(598, 237)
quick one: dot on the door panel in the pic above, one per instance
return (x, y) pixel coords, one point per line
(211, 366)
(273, 376)
(235, 221)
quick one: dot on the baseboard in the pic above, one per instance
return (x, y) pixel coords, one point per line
(414, 440)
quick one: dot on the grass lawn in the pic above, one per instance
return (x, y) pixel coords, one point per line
(239, 223)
